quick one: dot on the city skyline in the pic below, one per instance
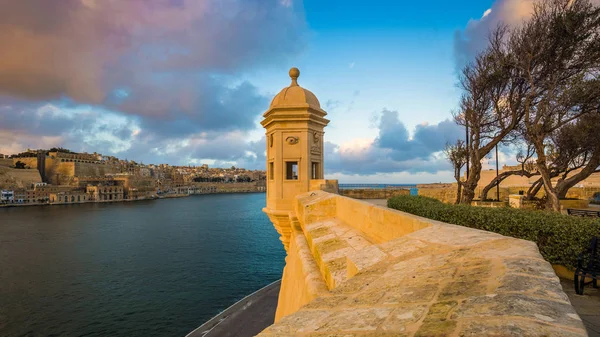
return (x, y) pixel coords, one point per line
(186, 82)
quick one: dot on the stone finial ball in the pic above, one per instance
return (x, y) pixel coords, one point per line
(294, 73)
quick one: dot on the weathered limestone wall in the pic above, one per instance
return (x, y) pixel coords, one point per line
(373, 193)
(62, 173)
(31, 162)
(301, 281)
(236, 187)
(6, 162)
(92, 170)
(18, 178)
(444, 192)
(381, 272)
(374, 222)
(447, 192)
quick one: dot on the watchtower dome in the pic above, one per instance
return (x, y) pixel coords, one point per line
(294, 127)
(295, 95)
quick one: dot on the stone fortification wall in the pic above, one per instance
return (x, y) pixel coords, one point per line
(6, 162)
(93, 169)
(447, 192)
(31, 162)
(444, 192)
(18, 178)
(358, 269)
(62, 173)
(384, 193)
(230, 187)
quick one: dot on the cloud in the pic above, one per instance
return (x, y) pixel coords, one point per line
(474, 38)
(172, 63)
(394, 149)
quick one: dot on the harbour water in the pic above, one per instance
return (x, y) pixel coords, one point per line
(149, 268)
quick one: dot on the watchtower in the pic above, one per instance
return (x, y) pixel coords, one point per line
(294, 127)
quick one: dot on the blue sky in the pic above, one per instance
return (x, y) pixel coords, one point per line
(186, 81)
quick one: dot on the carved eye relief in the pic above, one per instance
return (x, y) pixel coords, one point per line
(292, 140)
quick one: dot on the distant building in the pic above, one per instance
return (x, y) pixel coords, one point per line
(105, 193)
(73, 197)
(7, 196)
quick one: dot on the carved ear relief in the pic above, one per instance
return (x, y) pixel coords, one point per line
(292, 140)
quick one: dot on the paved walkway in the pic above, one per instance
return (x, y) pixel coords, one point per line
(246, 318)
(587, 306)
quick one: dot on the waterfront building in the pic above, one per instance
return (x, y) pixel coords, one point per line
(72, 197)
(20, 195)
(7, 196)
(105, 193)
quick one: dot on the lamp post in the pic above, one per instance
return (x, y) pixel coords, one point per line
(497, 183)
(467, 143)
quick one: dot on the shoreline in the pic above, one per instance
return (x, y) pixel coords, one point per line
(124, 200)
(234, 320)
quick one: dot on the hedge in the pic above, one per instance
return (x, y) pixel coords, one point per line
(560, 238)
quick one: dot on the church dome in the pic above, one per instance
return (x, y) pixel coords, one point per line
(295, 95)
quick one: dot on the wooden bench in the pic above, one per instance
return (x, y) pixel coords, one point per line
(588, 266)
(583, 212)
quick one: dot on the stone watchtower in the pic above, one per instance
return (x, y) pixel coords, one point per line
(294, 128)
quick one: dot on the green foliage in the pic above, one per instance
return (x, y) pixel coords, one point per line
(60, 149)
(19, 165)
(560, 238)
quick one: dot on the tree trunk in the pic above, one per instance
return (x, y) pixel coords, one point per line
(500, 178)
(470, 184)
(458, 193)
(552, 201)
(534, 189)
(563, 185)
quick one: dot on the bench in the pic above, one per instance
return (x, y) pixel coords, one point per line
(591, 268)
(583, 212)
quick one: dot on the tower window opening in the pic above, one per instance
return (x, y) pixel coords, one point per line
(315, 171)
(291, 170)
(271, 171)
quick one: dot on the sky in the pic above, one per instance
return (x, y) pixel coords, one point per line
(185, 82)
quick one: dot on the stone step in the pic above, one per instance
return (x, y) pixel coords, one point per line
(339, 250)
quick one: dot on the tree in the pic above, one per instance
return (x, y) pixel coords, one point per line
(557, 54)
(578, 147)
(532, 84)
(19, 165)
(527, 169)
(490, 106)
(457, 155)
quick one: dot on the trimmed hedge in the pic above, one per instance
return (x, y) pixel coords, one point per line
(560, 238)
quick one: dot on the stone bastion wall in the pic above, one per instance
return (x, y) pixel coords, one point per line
(356, 269)
(365, 193)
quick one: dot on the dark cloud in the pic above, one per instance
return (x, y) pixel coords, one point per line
(170, 63)
(474, 38)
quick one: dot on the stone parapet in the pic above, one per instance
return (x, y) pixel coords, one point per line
(355, 269)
